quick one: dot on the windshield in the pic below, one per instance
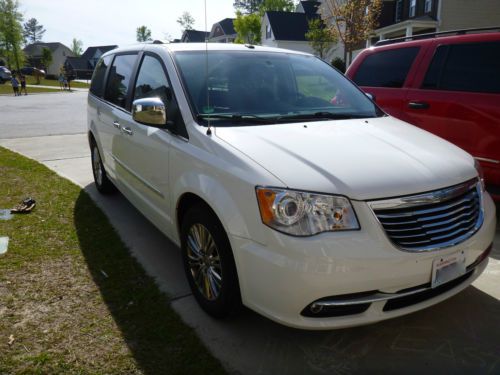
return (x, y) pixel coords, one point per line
(267, 87)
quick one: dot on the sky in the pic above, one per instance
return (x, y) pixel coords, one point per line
(106, 22)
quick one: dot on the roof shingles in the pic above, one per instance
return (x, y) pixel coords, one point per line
(289, 25)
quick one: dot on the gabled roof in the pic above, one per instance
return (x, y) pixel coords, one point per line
(310, 7)
(90, 52)
(194, 36)
(78, 63)
(227, 26)
(289, 25)
(36, 49)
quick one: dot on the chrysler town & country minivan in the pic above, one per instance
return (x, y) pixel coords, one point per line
(287, 189)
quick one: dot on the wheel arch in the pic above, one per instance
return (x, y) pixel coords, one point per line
(195, 189)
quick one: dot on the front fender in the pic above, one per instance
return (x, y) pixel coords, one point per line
(220, 200)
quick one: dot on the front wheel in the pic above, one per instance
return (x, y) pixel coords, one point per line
(102, 182)
(209, 263)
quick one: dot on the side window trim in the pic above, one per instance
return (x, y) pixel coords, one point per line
(439, 66)
(139, 65)
(105, 78)
(409, 73)
(181, 131)
(133, 78)
(128, 103)
(446, 51)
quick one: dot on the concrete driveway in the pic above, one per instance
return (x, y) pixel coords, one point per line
(460, 335)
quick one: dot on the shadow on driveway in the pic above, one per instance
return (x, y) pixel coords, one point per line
(459, 335)
(155, 335)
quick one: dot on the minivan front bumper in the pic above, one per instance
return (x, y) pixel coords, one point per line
(285, 277)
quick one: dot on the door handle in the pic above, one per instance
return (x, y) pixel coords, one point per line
(128, 131)
(116, 124)
(419, 105)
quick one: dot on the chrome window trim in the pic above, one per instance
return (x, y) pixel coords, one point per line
(494, 161)
(436, 196)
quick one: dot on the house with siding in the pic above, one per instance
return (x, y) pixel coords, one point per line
(59, 54)
(405, 18)
(223, 31)
(82, 67)
(194, 36)
(288, 29)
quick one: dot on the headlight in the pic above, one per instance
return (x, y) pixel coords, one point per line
(480, 174)
(304, 214)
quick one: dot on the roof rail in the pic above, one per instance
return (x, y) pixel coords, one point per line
(433, 35)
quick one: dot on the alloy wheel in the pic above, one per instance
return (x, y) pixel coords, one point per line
(204, 261)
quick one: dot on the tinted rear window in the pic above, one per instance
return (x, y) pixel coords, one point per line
(97, 85)
(386, 68)
(465, 67)
(119, 79)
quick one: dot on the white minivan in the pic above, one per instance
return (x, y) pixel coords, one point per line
(287, 189)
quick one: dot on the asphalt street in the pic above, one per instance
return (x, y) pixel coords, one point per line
(460, 335)
(26, 116)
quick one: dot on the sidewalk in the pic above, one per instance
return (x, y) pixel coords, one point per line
(456, 336)
(57, 88)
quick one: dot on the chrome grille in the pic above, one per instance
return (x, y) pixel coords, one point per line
(432, 220)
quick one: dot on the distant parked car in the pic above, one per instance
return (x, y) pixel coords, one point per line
(5, 74)
(448, 85)
(31, 71)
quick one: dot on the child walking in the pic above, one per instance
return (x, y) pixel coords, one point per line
(22, 79)
(15, 85)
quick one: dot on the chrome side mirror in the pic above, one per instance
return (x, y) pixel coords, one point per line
(150, 111)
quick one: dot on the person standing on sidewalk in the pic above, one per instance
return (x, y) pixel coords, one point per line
(22, 79)
(61, 81)
(15, 85)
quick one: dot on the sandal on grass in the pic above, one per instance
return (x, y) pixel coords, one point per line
(24, 207)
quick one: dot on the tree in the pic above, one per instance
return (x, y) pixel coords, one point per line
(186, 21)
(338, 63)
(320, 37)
(46, 59)
(352, 21)
(143, 34)
(276, 5)
(76, 47)
(11, 33)
(247, 6)
(247, 28)
(33, 31)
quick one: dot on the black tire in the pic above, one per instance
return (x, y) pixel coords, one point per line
(102, 182)
(226, 300)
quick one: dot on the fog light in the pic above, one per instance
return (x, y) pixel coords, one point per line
(315, 308)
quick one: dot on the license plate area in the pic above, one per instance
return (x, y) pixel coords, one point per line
(447, 268)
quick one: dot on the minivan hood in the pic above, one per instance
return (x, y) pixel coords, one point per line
(362, 159)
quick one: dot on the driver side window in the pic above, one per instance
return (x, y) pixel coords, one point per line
(152, 81)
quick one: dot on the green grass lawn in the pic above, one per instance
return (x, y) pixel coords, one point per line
(30, 80)
(72, 298)
(6, 88)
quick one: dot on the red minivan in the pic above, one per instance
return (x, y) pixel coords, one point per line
(447, 85)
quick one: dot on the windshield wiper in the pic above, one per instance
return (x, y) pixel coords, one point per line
(320, 116)
(237, 118)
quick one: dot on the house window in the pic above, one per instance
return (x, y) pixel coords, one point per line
(413, 7)
(399, 10)
(428, 6)
(269, 33)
